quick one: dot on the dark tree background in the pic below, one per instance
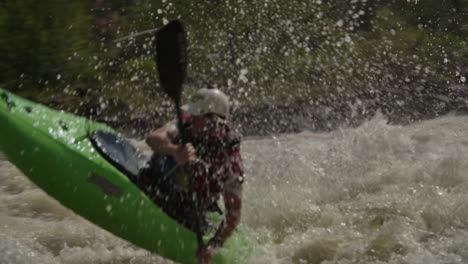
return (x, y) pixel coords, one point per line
(68, 54)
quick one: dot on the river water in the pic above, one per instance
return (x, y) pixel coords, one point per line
(373, 194)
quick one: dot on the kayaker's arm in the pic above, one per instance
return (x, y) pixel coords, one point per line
(233, 204)
(161, 142)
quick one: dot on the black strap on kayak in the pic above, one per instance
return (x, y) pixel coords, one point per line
(7, 100)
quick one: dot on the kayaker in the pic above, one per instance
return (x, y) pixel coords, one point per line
(213, 156)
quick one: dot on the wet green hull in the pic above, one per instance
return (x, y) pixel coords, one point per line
(52, 149)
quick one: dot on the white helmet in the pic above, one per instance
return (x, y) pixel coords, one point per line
(208, 101)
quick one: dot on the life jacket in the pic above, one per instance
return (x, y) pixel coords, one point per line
(218, 161)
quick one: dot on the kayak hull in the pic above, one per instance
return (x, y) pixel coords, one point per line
(53, 149)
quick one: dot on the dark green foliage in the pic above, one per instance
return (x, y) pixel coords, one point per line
(44, 44)
(256, 51)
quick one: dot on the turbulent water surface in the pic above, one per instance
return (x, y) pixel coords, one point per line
(372, 194)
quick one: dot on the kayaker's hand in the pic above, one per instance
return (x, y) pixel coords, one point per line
(185, 154)
(205, 255)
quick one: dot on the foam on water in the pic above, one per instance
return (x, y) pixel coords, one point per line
(372, 194)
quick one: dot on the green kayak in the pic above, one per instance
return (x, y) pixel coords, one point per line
(57, 152)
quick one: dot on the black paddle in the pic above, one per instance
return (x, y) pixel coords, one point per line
(171, 60)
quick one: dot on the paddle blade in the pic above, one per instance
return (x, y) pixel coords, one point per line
(171, 58)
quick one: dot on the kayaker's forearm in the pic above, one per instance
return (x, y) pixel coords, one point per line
(233, 205)
(228, 226)
(161, 145)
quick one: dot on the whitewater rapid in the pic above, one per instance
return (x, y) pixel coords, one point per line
(373, 194)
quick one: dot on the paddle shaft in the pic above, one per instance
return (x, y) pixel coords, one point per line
(188, 173)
